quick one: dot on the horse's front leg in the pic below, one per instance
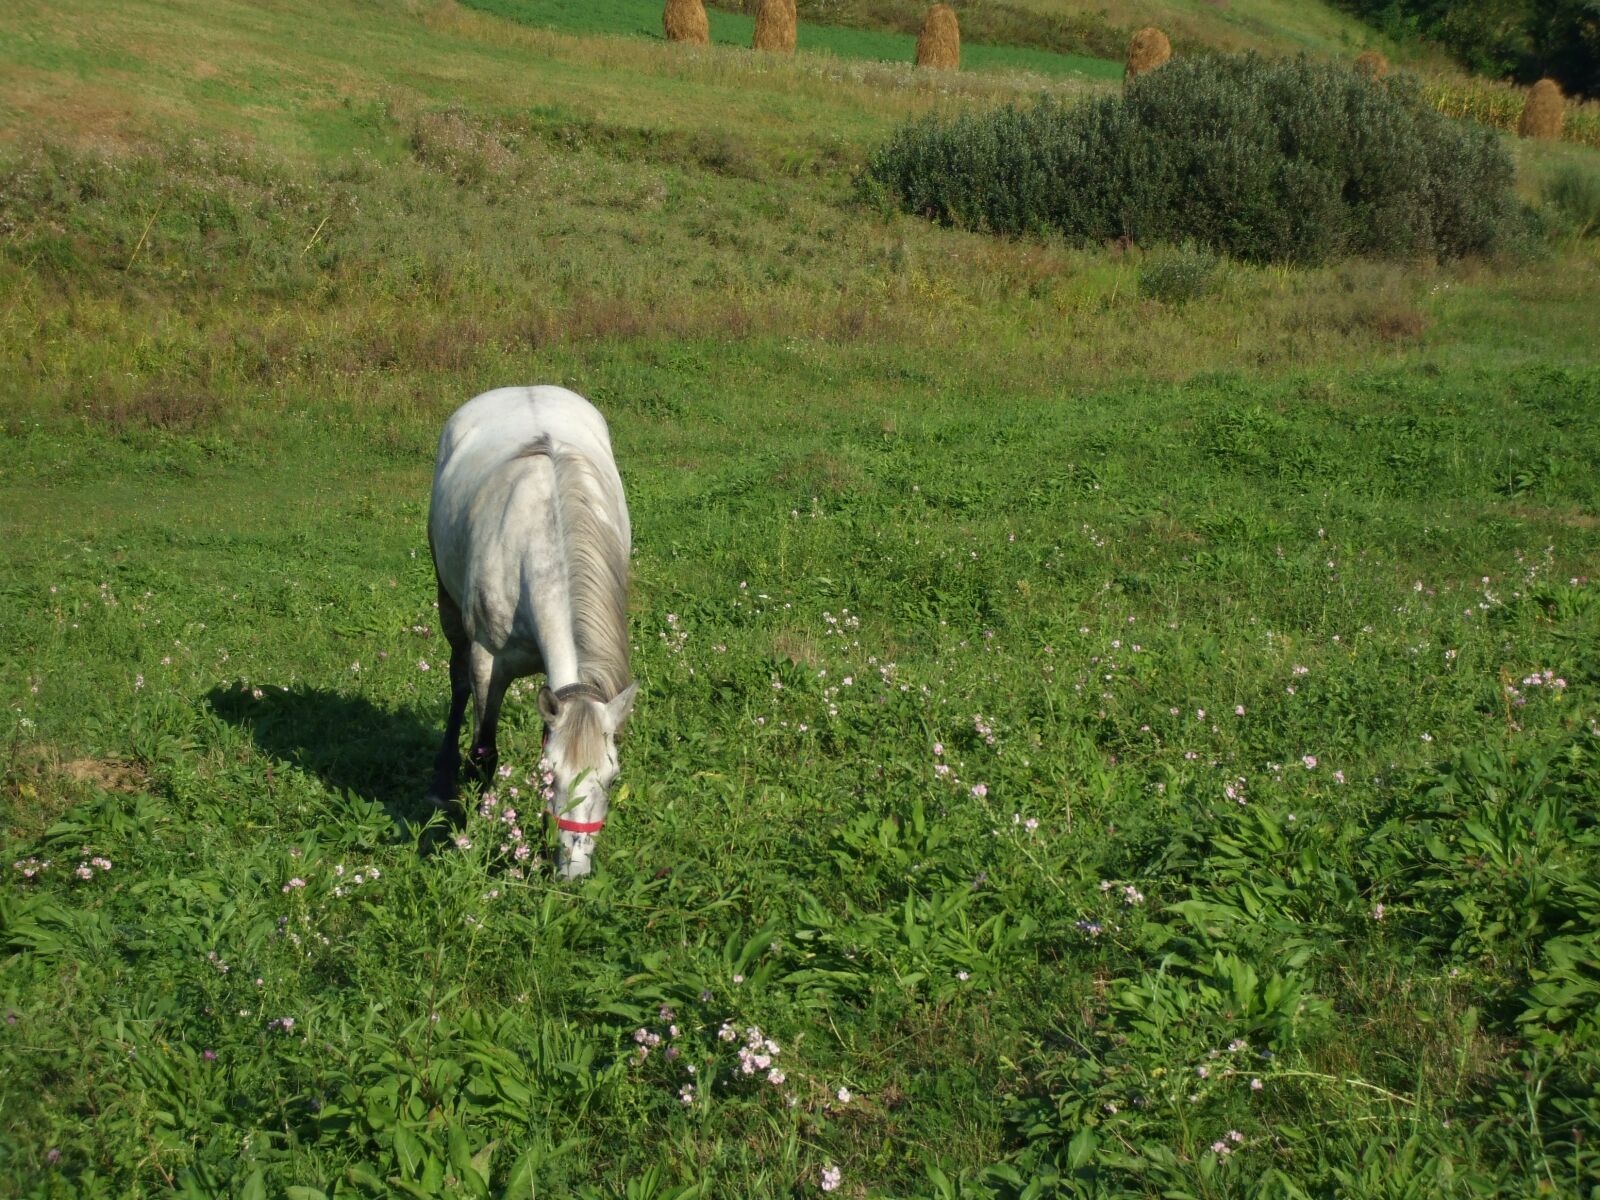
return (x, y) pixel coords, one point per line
(447, 763)
(489, 683)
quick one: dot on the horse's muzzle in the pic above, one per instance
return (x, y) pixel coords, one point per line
(574, 854)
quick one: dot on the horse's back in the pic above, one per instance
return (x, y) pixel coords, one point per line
(500, 425)
(493, 482)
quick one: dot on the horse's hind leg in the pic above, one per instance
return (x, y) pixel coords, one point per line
(447, 764)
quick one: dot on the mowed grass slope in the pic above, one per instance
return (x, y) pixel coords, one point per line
(300, 78)
(1269, 25)
(1062, 710)
(860, 38)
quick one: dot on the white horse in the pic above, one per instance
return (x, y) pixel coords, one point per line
(530, 539)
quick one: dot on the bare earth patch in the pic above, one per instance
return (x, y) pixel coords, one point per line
(108, 775)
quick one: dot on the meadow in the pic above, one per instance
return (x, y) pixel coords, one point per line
(836, 35)
(1091, 742)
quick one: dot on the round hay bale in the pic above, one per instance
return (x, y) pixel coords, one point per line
(775, 26)
(939, 43)
(1147, 50)
(1544, 113)
(1372, 64)
(685, 21)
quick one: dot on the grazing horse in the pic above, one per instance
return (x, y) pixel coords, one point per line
(530, 539)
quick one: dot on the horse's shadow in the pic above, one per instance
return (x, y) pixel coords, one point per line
(352, 745)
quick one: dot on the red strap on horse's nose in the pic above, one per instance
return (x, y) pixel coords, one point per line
(567, 826)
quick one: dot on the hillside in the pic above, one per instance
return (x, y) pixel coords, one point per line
(1275, 26)
(1282, 26)
(872, 35)
(1067, 41)
(1114, 721)
(1050, 36)
(293, 77)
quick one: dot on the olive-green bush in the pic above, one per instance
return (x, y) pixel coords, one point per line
(1262, 160)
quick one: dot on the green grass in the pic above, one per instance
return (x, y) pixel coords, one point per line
(1270, 26)
(993, 489)
(1274, 25)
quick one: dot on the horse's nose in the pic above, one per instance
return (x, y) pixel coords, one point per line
(575, 854)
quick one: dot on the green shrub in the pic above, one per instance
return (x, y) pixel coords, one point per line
(1185, 274)
(1262, 160)
(1573, 195)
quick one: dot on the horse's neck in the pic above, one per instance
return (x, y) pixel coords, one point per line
(547, 609)
(596, 557)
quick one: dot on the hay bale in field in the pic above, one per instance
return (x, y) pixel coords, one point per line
(1372, 64)
(1544, 113)
(1147, 50)
(775, 26)
(939, 43)
(685, 21)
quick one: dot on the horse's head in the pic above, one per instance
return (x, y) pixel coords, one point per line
(580, 766)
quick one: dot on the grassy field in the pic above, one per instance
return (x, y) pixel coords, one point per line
(862, 39)
(1272, 26)
(1108, 747)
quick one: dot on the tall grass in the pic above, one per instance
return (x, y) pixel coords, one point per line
(1572, 194)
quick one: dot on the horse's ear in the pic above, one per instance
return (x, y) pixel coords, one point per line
(618, 708)
(549, 706)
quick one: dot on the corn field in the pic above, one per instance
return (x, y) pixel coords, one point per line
(1500, 105)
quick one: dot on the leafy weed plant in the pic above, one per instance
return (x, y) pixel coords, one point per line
(1572, 192)
(1181, 275)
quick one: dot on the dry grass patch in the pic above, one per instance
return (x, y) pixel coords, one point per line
(106, 774)
(797, 648)
(450, 143)
(1373, 64)
(79, 113)
(37, 787)
(1397, 324)
(1566, 518)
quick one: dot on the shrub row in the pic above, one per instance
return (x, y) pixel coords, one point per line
(1264, 160)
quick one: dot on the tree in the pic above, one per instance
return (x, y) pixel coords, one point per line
(1518, 39)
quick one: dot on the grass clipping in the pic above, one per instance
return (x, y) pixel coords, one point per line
(685, 21)
(939, 43)
(776, 21)
(1372, 64)
(1544, 112)
(1147, 50)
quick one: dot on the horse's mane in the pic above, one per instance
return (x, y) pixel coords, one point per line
(587, 507)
